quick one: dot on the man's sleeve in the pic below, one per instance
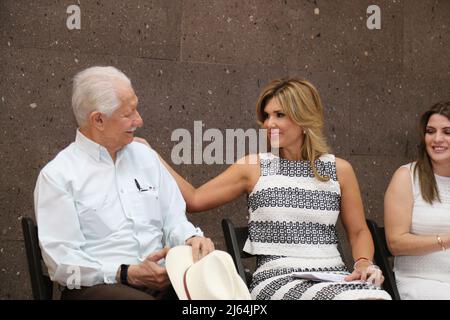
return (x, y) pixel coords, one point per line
(61, 239)
(177, 229)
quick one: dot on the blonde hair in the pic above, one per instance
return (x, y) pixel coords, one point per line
(427, 181)
(301, 102)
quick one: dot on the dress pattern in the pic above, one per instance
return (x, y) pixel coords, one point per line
(292, 228)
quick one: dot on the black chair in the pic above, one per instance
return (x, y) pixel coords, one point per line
(235, 240)
(382, 255)
(41, 284)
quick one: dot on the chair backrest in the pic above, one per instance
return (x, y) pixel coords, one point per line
(382, 255)
(235, 240)
(41, 284)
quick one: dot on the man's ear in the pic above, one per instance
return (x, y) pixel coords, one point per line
(96, 119)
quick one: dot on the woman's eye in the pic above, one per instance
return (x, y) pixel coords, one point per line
(280, 115)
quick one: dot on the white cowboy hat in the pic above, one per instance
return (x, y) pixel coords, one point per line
(213, 277)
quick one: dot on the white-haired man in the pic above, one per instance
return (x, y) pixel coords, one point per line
(107, 209)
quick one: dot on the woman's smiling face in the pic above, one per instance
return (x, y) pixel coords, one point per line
(282, 131)
(437, 139)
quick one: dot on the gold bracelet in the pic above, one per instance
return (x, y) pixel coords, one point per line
(440, 242)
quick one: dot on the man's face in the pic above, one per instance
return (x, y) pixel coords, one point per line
(120, 126)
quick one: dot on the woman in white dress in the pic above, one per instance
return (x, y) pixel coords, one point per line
(417, 213)
(294, 201)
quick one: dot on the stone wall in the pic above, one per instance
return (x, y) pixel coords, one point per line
(208, 60)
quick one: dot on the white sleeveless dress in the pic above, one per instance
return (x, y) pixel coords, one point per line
(426, 276)
(292, 228)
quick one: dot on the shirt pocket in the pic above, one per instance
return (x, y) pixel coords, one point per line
(147, 207)
(97, 216)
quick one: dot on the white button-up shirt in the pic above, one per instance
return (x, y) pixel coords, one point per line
(94, 215)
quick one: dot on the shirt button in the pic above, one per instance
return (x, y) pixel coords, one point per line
(121, 190)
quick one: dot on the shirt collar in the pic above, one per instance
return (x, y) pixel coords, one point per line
(91, 147)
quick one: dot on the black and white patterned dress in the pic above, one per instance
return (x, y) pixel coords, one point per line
(292, 228)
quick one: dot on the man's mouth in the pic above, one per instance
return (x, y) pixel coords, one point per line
(132, 130)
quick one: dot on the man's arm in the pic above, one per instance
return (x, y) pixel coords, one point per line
(177, 229)
(61, 239)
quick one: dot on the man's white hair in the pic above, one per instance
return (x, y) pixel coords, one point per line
(94, 89)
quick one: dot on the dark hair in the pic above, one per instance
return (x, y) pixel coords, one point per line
(427, 181)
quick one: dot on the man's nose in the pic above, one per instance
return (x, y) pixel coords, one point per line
(138, 122)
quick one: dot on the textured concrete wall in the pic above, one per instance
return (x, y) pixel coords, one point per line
(208, 60)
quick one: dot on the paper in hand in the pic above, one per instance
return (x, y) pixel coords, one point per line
(323, 277)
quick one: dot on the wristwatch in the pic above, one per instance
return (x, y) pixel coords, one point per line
(124, 274)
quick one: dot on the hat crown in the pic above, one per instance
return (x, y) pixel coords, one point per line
(211, 277)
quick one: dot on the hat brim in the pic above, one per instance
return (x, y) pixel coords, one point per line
(178, 259)
(242, 292)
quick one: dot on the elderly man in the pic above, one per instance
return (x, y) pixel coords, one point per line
(107, 209)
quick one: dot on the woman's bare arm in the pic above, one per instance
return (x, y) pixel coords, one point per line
(230, 184)
(398, 207)
(352, 212)
(237, 179)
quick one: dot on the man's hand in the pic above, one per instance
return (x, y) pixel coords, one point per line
(201, 246)
(148, 273)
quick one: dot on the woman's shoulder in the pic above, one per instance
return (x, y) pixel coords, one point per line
(248, 165)
(404, 173)
(248, 168)
(250, 159)
(343, 165)
(408, 167)
(402, 184)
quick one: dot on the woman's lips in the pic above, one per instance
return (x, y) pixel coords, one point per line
(274, 133)
(439, 149)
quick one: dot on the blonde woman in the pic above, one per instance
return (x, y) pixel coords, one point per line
(417, 213)
(294, 200)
